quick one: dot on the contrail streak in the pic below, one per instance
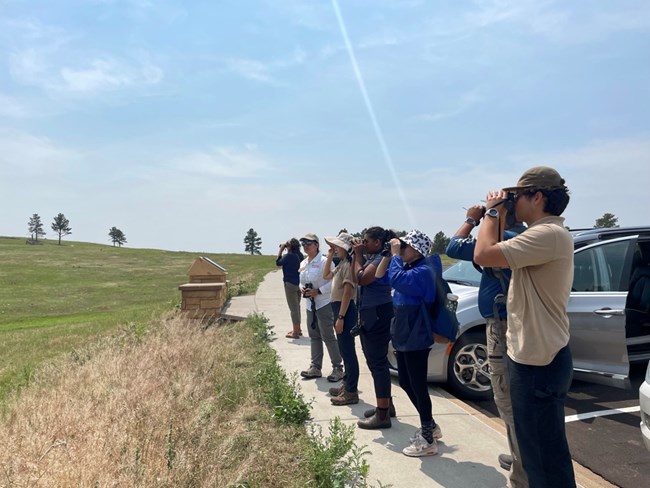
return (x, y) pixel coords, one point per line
(388, 159)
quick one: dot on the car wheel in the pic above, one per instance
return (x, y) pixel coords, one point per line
(468, 373)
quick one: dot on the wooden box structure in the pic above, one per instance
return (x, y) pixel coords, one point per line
(205, 294)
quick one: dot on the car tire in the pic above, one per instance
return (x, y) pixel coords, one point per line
(468, 373)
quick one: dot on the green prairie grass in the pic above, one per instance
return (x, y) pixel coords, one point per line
(55, 299)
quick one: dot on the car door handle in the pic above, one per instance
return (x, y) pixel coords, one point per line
(608, 312)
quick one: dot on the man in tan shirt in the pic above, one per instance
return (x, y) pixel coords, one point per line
(539, 358)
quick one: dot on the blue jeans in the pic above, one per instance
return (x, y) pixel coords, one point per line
(347, 346)
(537, 394)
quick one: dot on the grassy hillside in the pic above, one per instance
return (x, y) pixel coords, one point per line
(55, 298)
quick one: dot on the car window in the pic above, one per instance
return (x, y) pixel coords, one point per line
(464, 273)
(601, 268)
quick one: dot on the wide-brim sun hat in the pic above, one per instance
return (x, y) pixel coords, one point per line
(418, 241)
(541, 177)
(343, 240)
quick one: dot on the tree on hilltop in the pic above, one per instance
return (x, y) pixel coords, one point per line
(61, 226)
(253, 242)
(35, 226)
(608, 220)
(117, 236)
(440, 242)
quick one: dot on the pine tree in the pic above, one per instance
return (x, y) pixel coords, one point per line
(117, 236)
(61, 226)
(35, 227)
(253, 242)
(440, 242)
(608, 220)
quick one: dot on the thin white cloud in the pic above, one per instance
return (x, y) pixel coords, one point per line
(225, 161)
(11, 107)
(108, 74)
(250, 69)
(32, 67)
(466, 101)
(263, 71)
(29, 155)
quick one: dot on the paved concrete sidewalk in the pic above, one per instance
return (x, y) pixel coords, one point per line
(471, 442)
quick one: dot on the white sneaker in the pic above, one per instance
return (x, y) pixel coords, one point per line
(420, 447)
(437, 434)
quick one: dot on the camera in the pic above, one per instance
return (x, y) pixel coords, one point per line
(307, 286)
(356, 329)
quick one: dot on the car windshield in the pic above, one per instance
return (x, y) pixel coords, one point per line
(463, 273)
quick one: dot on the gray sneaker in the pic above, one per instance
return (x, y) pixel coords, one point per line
(312, 372)
(336, 375)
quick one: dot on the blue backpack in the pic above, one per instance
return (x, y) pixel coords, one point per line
(444, 323)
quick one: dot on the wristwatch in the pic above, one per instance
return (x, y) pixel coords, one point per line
(341, 317)
(492, 212)
(471, 221)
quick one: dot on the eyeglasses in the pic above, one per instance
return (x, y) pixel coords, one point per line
(307, 243)
(528, 192)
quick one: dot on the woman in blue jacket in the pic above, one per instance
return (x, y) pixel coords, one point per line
(413, 279)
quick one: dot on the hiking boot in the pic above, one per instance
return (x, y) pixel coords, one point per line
(420, 447)
(336, 375)
(312, 372)
(337, 390)
(371, 411)
(346, 398)
(505, 461)
(374, 422)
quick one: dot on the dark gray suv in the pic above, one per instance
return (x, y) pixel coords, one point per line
(609, 311)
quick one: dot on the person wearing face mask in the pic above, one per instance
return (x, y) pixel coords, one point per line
(413, 278)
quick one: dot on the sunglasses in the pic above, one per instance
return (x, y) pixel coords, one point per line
(307, 243)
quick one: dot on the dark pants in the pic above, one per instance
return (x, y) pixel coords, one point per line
(375, 336)
(347, 347)
(412, 374)
(537, 394)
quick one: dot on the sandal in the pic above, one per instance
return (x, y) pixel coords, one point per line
(293, 335)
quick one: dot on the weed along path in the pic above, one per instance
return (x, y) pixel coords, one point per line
(467, 453)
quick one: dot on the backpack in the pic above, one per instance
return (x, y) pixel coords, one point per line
(444, 323)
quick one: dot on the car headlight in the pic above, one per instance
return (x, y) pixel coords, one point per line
(647, 374)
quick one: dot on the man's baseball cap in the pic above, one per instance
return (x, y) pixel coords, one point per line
(309, 237)
(541, 177)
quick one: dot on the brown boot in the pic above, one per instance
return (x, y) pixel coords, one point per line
(371, 411)
(375, 422)
(337, 390)
(346, 398)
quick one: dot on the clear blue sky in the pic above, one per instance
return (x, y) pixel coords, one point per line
(185, 123)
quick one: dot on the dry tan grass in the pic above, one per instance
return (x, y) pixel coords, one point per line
(174, 407)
